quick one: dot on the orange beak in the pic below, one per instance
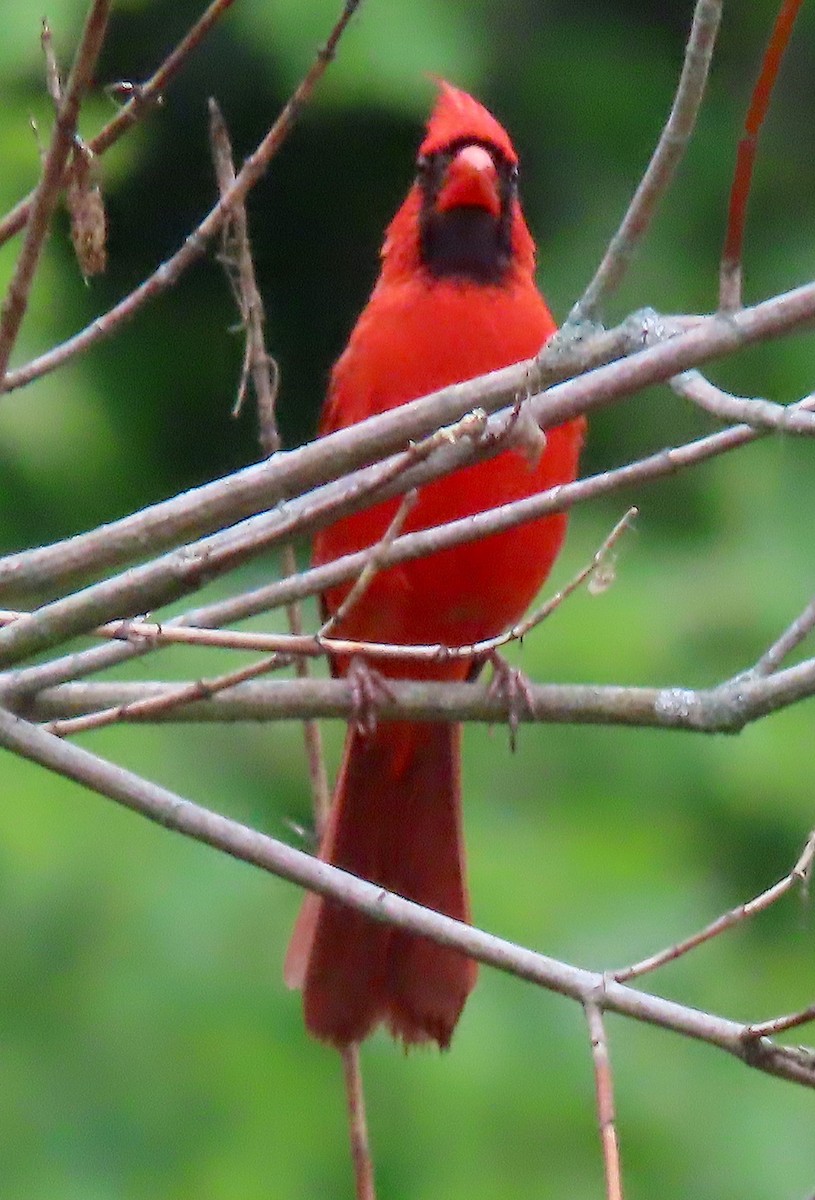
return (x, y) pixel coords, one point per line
(471, 181)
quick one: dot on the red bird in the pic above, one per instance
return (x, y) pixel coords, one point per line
(456, 297)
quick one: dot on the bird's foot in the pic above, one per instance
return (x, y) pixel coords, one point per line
(510, 685)
(368, 689)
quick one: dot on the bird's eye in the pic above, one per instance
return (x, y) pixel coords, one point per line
(422, 165)
(513, 173)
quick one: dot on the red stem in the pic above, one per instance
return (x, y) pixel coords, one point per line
(746, 153)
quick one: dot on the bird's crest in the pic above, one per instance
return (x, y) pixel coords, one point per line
(457, 117)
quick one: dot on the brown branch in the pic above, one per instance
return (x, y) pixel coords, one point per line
(374, 559)
(236, 257)
(780, 1024)
(83, 197)
(800, 874)
(789, 641)
(171, 810)
(730, 271)
(46, 193)
(259, 365)
(726, 708)
(604, 1089)
(670, 148)
(165, 699)
(357, 1124)
(143, 97)
(168, 274)
(753, 411)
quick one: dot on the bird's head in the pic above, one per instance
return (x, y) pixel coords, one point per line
(462, 219)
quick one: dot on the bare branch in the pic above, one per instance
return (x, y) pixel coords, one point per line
(333, 455)
(799, 874)
(165, 699)
(727, 708)
(780, 1024)
(604, 1089)
(790, 639)
(374, 559)
(262, 369)
(171, 810)
(174, 575)
(660, 171)
(357, 1124)
(409, 546)
(297, 646)
(752, 411)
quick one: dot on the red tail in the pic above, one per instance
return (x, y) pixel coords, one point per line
(396, 820)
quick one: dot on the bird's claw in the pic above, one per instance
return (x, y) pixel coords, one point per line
(368, 690)
(509, 684)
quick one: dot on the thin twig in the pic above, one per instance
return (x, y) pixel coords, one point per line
(259, 365)
(236, 256)
(143, 97)
(671, 146)
(780, 1024)
(730, 272)
(788, 418)
(604, 1089)
(799, 874)
(790, 640)
(165, 699)
(373, 564)
(174, 812)
(598, 565)
(46, 193)
(358, 1125)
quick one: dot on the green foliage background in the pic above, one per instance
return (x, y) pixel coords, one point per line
(147, 1045)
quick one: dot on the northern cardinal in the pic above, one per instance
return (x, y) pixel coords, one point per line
(456, 297)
